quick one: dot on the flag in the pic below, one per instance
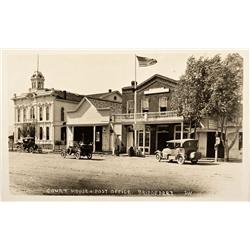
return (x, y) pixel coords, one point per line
(145, 61)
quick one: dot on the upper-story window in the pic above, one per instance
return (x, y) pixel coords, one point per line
(163, 104)
(130, 106)
(40, 113)
(18, 115)
(32, 113)
(62, 114)
(24, 114)
(115, 98)
(47, 113)
(144, 105)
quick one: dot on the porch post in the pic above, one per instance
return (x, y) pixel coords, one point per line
(181, 132)
(94, 138)
(144, 138)
(73, 135)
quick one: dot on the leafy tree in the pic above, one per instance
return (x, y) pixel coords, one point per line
(225, 103)
(212, 87)
(192, 94)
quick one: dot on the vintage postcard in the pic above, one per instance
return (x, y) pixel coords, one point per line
(125, 125)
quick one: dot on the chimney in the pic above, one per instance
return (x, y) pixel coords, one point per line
(110, 90)
(64, 94)
(14, 95)
(133, 83)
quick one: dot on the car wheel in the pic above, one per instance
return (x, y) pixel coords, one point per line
(194, 161)
(158, 157)
(31, 150)
(89, 156)
(180, 159)
(78, 155)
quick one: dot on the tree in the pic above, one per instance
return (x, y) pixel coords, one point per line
(193, 91)
(212, 87)
(225, 103)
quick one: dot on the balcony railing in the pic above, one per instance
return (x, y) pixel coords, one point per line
(147, 116)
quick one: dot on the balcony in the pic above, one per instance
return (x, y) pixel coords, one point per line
(148, 117)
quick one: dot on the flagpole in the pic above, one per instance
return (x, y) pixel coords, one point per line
(135, 104)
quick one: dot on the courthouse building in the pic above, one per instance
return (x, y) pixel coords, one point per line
(46, 110)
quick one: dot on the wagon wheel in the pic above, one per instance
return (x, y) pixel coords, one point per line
(158, 157)
(89, 156)
(78, 155)
(180, 159)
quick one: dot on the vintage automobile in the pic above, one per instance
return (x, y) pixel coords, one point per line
(27, 145)
(180, 150)
(78, 150)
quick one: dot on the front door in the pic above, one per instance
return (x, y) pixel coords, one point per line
(162, 138)
(210, 146)
(147, 141)
(98, 139)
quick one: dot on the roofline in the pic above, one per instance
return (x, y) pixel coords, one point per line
(99, 99)
(149, 79)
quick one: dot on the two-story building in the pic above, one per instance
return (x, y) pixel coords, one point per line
(45, 109)
(154, 122)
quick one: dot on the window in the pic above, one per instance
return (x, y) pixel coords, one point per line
(130, 106)
(62, 114)
(115, 98)
(144, 105)
(41, 113)
(47, 133)
(47, 113)
(41, 133)
(24, 114)
(177, 134)
(32, 113)
(163, 103)
(240, 140)
(18, 115)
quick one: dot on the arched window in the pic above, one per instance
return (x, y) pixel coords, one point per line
(62, 114)
(18, 115)
(41, 113)
(47, 113)
(24, 115)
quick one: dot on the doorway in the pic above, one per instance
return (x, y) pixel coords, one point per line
(98, 138)
(210, 146)
(83, 134)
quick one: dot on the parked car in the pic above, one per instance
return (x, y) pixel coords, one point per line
(78, 150)
(27, 145)
(180, 150)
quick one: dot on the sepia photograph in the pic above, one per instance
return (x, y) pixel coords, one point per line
(124, 124)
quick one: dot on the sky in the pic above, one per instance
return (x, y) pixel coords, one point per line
(88, 72)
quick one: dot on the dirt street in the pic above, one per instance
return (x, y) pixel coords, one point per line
(50, 174)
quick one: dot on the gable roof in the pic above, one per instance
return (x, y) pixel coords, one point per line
(100, 104)
(104, 95)
(153, 78)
